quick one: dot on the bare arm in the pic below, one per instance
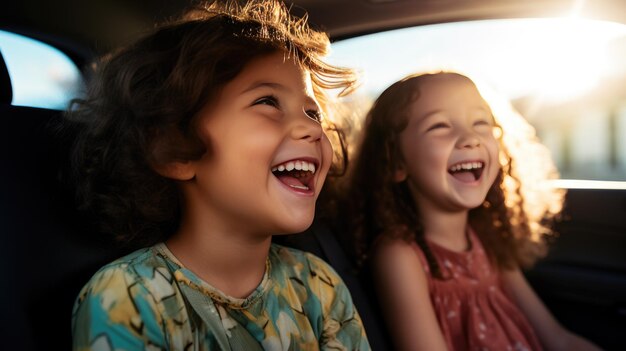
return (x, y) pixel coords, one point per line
(403, 290)
(552, 335)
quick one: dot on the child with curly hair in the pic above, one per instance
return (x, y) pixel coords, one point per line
(200, 141)
(449, 199)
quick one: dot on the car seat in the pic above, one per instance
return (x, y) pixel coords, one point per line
(48, 250)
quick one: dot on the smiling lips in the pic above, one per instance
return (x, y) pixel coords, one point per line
(296, 174)
(467, 171)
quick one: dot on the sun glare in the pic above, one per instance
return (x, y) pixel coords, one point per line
(563, 75)
(557, 60)
(552, 59)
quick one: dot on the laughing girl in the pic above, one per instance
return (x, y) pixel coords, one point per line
(201, 141)
(454, 210)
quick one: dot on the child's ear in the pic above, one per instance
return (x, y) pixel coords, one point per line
(176, 170)
(399, 175)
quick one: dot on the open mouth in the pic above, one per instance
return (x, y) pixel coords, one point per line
(296, 174)
(467, 172)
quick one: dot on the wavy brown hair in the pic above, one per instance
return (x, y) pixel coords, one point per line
(514, 217)
(143, 101)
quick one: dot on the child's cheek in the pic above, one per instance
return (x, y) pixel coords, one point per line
(327, 154)
(496, 155)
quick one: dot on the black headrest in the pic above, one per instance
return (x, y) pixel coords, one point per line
(6, 91)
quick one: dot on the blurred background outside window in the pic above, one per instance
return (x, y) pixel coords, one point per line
(567, 77)
(41, 75)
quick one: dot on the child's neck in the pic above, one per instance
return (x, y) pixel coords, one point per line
(447, 229)
(232, 262)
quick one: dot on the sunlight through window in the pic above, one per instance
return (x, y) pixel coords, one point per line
(565, 75)
(41, 76)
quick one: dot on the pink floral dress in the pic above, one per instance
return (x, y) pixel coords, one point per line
(473, 311)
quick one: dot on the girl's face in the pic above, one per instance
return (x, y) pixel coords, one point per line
(449, 152)
(267, 155)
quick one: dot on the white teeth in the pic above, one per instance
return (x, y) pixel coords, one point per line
(466, 166)
(298, 165)
(301, 187)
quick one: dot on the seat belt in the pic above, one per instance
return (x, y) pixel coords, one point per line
(240, 339)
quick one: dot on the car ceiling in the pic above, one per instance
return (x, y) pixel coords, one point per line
(99, 25)
(344, 18)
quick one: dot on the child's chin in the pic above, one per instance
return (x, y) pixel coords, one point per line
(475, 204)
(296, 227)
(470, 204)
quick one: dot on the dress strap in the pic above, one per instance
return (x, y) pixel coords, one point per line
(236, 338)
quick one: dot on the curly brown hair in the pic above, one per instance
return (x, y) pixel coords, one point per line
(144, 98)
(511, 222)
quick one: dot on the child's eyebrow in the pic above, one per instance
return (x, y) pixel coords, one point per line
(277, 86)
(262, 84)
(429, 114)
(479, 108)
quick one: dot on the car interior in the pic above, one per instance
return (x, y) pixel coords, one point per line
(49, 249)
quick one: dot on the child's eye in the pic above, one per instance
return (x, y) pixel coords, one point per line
(267, 100)
(315, 115)
(439, 125)
(483, 125)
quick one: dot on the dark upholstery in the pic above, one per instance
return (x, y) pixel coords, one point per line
(6, 91)
(48, 251)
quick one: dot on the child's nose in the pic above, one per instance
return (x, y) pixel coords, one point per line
(304, 127)
(468, 140)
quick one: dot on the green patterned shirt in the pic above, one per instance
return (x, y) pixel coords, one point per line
(142, 302)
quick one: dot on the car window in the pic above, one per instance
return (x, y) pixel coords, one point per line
(41, 75)
(566, 76)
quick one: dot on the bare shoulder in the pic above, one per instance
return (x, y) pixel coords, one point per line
(393, 249)
(403, 285)
(395, 256)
